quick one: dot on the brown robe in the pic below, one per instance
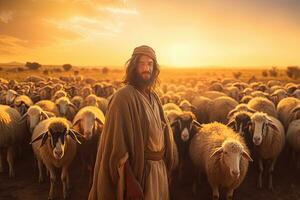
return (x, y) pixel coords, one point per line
(125, 136)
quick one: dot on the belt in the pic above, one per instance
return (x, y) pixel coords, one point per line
(154, 155)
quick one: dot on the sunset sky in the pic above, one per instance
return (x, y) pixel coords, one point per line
(182, 32)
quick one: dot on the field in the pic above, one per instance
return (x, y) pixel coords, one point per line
(25, 185)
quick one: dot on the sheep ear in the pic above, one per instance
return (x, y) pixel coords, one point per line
(73, 106)
(231, 124)
(76, 121)
(44, 115)
(217, 152)
(247, 156)
(197, 124)
(42, 137)
(231, 113)
(99, 121)
(23, 118)
(273, 126)
(75, 135)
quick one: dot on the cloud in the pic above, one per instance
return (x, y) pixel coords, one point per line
(40, 23)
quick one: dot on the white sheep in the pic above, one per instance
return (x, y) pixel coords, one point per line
(10, 97)
(202, 106)
(12, 135)
(269, 139)
(22, 103)
(54, 145)
(262, 104)
(222, 155)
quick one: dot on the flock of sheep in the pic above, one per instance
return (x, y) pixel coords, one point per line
(218, 127)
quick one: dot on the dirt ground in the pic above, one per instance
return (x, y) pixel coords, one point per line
(26, 187)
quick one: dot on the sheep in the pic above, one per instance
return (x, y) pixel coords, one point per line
(240, 107)
(12, 134)
(292, 138)
(278, 95)
(58, 94)
(66, 108)
(185, 105)
(89, 122)
(49, 106)
(184, 128)
(202, 106)
(222, 155)
(34, 115)
(54, 145)
(284, 109)
(171, 106)
(220, 108)
(10, 97)
(45, 92)
(268, 139)
(296, 94)
(246, 99)
(262, 104)
(233, 92)
(77, 101)
(22, 103)
(213, 94)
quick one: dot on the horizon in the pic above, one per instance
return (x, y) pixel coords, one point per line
(188, 34)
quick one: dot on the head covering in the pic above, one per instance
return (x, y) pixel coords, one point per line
(145, 50)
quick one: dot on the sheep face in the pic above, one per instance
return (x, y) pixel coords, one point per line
(240, 123)
(10, 97)
(260, 125)
(21, 107)
(231, 153)
(87, 123)
(58, 142)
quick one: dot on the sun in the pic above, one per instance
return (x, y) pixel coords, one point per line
(181, 55)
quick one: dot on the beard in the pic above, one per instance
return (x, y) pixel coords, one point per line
(143, 82)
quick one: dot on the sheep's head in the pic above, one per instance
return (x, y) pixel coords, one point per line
(231, 152)
(240, 122)
(187, 126)
(260, 123)
(21, 106)
(57, 132)
(34, 114)
(88, 122)
(91, 100)
(63, 104)
(10, 97)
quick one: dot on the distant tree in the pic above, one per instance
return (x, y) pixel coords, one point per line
(33, 65)
(293, 72)
(265, 73)
(237, 75)
(76, 72)
(105, 70)
(67, 67)
(273, 72)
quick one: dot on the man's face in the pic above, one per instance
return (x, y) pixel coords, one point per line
(145, 68)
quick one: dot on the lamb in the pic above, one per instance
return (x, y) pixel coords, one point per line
(269, 139)
(222, 155)
(220, 108)
(54, 145)
(262, 104)
(22, 103)
(89, 122)
(285, 108)
(66, 108)
(11, 136)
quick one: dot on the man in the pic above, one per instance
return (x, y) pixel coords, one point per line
(135, 155)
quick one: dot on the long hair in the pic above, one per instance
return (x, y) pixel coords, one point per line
(131, 76)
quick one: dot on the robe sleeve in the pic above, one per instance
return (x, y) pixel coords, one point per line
(112, 149)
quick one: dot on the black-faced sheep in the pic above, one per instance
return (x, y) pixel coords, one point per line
(54, 145)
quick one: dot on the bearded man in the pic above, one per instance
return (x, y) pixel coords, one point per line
(135, 155)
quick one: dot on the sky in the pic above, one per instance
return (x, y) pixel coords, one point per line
(184, 33)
